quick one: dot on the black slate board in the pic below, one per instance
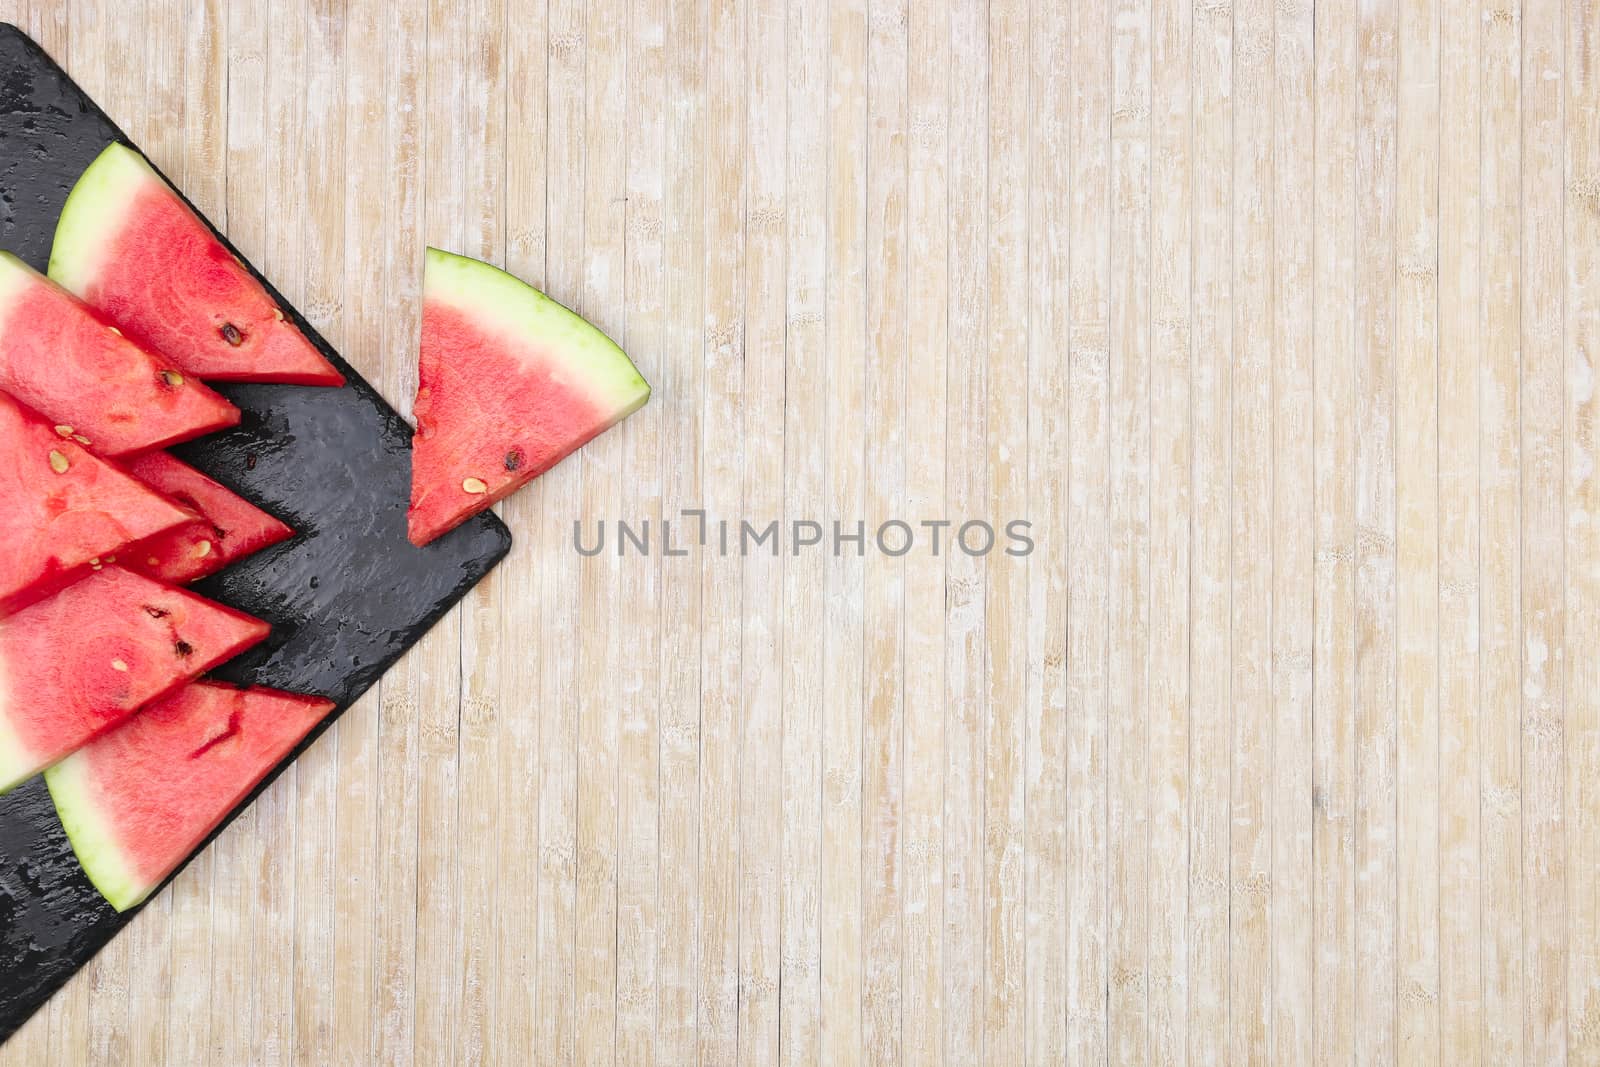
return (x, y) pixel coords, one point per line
(345, 597)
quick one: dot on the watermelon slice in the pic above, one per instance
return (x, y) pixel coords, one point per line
(62, 509)
(60, 360)
(77, 664)
(509, 383)
(137, 801)
(228, 528)
(135, 252)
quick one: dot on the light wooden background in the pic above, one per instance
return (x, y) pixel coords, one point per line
(1279, 323)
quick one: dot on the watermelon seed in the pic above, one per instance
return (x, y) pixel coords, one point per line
(474, 486)
(64, 431)
(111, 559)
(172, 378)
(154, 562)
(150, 609)
(232, 334)
(58, 462)
(202, 550)
(183, 648)
(513, 459)
(118, 665)
(78, 437)
(114, 330)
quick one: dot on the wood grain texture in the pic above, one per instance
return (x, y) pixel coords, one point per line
(1279, 323)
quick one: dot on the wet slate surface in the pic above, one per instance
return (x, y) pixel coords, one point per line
(346, 596)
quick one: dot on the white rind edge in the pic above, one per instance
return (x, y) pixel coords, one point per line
(601, 369)
(15, 277)
(17, 764)
(93, 213)
(72, 788)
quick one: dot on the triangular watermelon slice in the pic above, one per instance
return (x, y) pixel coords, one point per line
(135, 252)
(509, 383)
(62, 361)
(229, 527)
(62, 509)
(137, 801)
(75, 665)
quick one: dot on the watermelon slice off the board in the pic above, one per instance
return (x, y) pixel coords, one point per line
(62, 361)
(132, 249)
(138, 800)
(509, 383)
(63, 509)
(229, 527)
(80, 662)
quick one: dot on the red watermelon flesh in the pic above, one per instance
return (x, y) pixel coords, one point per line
(75, 665)
(63, 509)
(229, 527)
(115, 397)
(509, 383)
(138, 800)
(130, 247)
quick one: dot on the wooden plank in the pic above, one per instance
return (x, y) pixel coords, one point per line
(1293, 533)
(966, 494)
(1376, 935)
(1417, 536)
(1210, 580)
(1128, 517)
(804, 570)
(1250, 540)
(1333, 655)
(1171, 469)
(843, 877)
(882, 764)
(639, 908)
(765, 628)
(521, 716)
(677, 975)
(1461, 983)
(926, 403)
(1088, 543)
(722, 459)
(1500, 571)
(1006, 604)
(1543, 474)
(1581, 227)
(1049, 453)
(603, 646)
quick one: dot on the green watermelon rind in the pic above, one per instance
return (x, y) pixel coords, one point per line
(90, 834)
(94, 214)
(493, 297)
